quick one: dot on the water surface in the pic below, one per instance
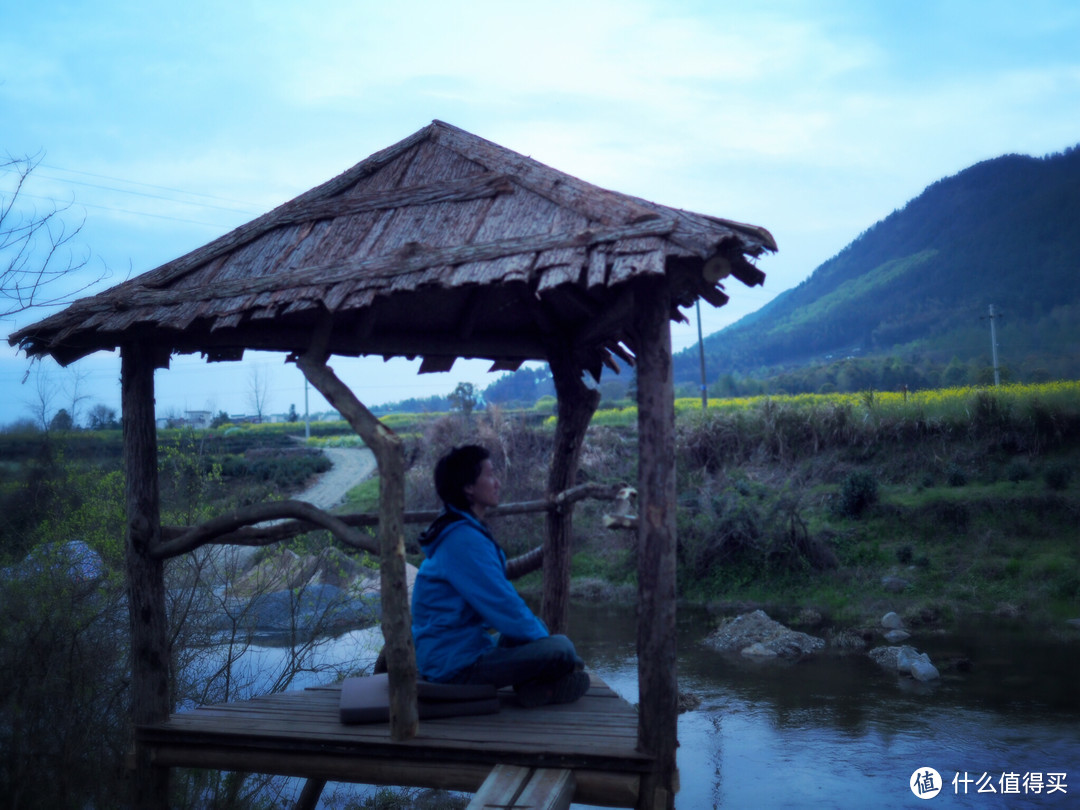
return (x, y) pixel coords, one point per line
(836, 731)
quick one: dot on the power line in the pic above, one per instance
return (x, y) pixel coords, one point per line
(144, 185)
(150, 196)
(54, 201)
(250, 209)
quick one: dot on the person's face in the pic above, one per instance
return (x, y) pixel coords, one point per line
(483, 494)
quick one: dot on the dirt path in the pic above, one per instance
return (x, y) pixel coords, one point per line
(351, 466)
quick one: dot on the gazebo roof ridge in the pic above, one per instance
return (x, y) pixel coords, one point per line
(442, 213)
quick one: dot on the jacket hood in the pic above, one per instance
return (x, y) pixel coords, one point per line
(432, 536)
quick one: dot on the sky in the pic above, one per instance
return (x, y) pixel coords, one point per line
(161, 126)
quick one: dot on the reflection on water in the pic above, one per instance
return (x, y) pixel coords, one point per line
(835, 731)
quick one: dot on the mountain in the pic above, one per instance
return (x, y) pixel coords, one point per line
(917, 287)
(907, 302)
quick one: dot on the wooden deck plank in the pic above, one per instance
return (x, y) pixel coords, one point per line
(299, 733)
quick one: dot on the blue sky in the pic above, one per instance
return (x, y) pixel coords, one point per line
(167, 125)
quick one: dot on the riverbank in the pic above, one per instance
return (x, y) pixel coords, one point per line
(828, 516)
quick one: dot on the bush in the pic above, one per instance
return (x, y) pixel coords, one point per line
(723, 528)
(63, 718)
(1018, 470)
(858, 493)
(956, 476)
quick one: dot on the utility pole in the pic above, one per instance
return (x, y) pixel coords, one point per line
(993, 345)
(701, 351)
(307, 418)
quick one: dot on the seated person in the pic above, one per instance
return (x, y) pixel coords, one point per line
(462, 594)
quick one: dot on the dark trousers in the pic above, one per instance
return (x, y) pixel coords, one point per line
(516, 663)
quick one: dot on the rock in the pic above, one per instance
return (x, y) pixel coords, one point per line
(307, 613)
(288, 570)
(905, 661)
(891, 621)
(1073, 623)
(688, 701)
(848, 640)
(1007, 610)
(896, 636)
(74, 560)
(305, 596)
(757, 628)
(894, 584)
(758, 650)
(885, 657)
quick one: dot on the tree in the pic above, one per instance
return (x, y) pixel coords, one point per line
(62, 421)
(102, 417)
(293, 415)
(39, 257)
(463, 398)
(258, 390)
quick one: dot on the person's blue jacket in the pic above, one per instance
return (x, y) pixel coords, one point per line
(460, 595)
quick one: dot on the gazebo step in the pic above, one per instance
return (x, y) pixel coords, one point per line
(513, 787)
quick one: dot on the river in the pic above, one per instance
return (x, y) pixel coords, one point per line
(835, 731)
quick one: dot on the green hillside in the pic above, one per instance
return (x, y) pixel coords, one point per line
(916, 288)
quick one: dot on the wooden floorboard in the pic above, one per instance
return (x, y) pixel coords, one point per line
(299, 733)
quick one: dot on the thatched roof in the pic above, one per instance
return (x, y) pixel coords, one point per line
(442, 246)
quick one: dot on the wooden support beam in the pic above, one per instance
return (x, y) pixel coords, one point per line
(309, 796)
(576, 405)
(603, 788)
(145, 575)
(390, 457)
(657, 680)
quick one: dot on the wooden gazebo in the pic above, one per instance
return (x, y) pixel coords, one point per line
(441, 246)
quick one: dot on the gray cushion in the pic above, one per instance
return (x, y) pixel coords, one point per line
(367, 700)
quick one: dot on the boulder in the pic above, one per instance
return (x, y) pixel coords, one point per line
(755, 634)
(892, 621)
(894, 584)
(905, 661)
(74, 560)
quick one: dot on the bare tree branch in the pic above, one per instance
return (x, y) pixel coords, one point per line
(39, 255)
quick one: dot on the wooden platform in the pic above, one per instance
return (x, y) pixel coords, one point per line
(299, 734)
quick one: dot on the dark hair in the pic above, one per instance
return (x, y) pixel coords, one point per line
(458, 469)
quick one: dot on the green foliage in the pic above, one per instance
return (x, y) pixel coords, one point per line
(364, 497)
(464, 398)
(858, 493)
(901, 305)
(281, 469)
(63, 703)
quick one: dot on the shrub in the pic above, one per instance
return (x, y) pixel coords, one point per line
(1018, 470)
(956, 476)
(858, 493)
(723, 528)
(63, 723)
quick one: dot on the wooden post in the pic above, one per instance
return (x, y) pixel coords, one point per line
(576, 405)
(396, 612)
(657, 680)
(145, 575)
